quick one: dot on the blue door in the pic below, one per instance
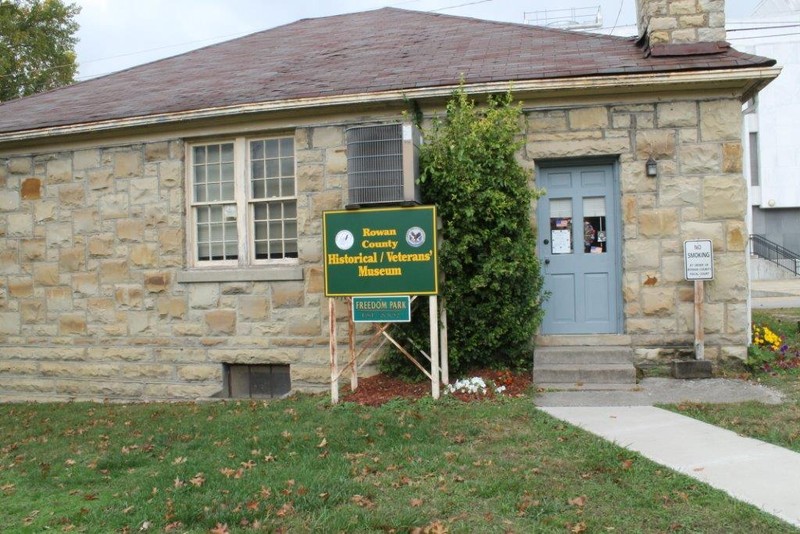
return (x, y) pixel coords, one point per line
(579, 248)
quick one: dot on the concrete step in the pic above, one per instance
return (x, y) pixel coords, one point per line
(579, 355)
(587, 340)
(606, 373)
(580, 386)
(584, 362)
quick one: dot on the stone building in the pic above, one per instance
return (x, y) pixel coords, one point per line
(161, 226)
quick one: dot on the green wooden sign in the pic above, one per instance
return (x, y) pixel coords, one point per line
(382, 251)
(382, 309)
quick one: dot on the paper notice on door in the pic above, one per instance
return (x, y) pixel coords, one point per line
(561, 241)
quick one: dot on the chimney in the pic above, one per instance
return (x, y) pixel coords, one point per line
(663, 24)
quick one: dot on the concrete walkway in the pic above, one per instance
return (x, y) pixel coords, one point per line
(775, 293)
(749, 470)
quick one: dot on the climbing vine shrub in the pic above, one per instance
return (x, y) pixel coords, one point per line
(492, 280)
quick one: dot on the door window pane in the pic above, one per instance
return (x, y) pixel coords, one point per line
(561, 226)
(594, 225)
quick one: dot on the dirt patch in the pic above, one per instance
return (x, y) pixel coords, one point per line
(381, 388)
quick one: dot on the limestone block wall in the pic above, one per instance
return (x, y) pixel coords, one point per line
(92, 299)
(96, 300)
(699, 194)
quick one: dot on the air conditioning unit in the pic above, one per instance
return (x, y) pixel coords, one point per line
(383, 164)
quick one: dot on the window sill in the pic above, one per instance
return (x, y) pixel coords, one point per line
(271, 274)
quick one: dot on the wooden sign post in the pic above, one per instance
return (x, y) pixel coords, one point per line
(699, 266)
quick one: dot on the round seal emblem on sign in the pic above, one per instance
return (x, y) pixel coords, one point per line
(415, 236)
(344, 239)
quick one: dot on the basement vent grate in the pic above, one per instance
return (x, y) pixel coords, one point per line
(262, 381)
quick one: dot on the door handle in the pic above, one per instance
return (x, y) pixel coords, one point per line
(547, 262)
(546, 241)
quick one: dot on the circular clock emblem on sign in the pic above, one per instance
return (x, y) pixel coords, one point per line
(415, 236)
(344, 239)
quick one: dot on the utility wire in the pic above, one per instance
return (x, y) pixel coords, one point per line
(461, 5)
(765, 36)
(764, 28)
(614, 27)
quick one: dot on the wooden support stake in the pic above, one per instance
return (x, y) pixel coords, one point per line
(443, 341)
(334, 363)
(699, 328)
(433, 312)
(351, 329)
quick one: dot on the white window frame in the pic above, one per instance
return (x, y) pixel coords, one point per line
(243, 201)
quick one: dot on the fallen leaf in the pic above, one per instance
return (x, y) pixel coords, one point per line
(360, 500)
(286, 509)
(253, 505)
(322, 443)
(266, 493)
(436, 527)
(577, 529)
(197, 480)
(179, 460)
(627, 464)
(173, 526)
(416, 503)
(220, 529)
(578, 501)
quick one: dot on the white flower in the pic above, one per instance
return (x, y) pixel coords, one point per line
(472, 386)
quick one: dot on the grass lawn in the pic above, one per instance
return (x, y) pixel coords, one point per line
(300, 465)
(777, 424)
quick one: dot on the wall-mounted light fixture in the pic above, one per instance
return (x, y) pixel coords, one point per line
(651, 167)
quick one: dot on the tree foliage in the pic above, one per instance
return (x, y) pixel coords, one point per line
(37, 46)
(492, 280)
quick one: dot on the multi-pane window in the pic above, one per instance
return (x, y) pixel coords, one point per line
(273, 201)
(243, 201)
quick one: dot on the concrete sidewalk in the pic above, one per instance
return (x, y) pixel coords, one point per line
(755, 472)
(783, 293)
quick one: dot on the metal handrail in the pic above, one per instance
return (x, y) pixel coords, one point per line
(782, 257)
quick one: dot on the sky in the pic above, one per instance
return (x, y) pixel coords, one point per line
(118, 34)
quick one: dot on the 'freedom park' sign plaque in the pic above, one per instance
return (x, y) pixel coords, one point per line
(382, 251)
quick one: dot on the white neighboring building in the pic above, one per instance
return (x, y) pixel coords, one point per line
(772, 122)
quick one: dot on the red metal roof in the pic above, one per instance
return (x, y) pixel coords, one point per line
(371, 51)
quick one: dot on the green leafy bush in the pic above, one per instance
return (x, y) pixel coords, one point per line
(492, 282)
